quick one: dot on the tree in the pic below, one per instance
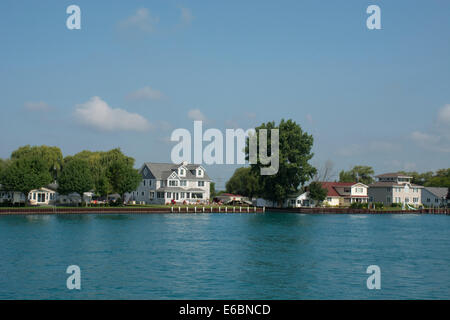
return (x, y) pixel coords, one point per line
(363, 174)
(294, 156)
(3, 166)
(52, 157)
(316, 192)
(212, 190)
(25, 174)
(75, 177)
(440, 179)
(123, 177)
(244, 182)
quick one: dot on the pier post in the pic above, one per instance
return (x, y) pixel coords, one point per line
(171, 209)
(195, 209)
(234, 209)
(203, 209)
(179, 209)
(226, 210)
(240, 209)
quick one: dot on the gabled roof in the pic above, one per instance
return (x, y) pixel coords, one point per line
(393, 174)
(331, 187)
(161, 171)
(438, 192)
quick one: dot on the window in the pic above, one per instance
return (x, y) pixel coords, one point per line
(201, 183)
(428, 200)
(388, 199)
(199, 172)
(181, 172)
(182, 195)
(183, 183)
(142, 193)
(169, 194)
(187, 195)
(143, 182)
(346, 189)
(329, 199)
(436, 200)
(415, 200)
(173, 183)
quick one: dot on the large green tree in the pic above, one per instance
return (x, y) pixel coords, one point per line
(52, 156)
(363, 174)
(316, 192)
(76, 177)
(123, 177)
(244, 181)
(294, 155)
(25, 174)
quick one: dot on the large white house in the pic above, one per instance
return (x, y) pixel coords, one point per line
(163, 182)
(395, 188)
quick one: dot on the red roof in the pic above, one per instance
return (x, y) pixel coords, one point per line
(231, 195)
(330, 186)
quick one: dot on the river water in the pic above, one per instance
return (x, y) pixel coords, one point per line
(225, 256)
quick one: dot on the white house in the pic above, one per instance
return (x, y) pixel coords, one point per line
(297, 200)
(395, 188)
(42, 196)
(434, 197)
(163, 182)
(345, 193)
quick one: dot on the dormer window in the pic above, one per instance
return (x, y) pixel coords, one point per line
(181, 171)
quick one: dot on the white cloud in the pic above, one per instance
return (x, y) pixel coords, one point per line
(141, 20)
(146, 93)
(438, 136)
(186, 16)
(196, 114)
(97, 114)
(443, 117)
(37, 106)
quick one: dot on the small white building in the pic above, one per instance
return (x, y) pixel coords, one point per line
(434, 196)
(42, 196)
(300, 199)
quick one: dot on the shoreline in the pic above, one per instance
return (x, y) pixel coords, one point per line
(193, 210)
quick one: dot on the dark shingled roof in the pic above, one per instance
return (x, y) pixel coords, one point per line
(161, 171)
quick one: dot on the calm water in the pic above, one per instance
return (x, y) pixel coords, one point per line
(220, 256)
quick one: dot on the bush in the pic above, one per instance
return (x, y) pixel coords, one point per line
(378, 205)
(358, 205)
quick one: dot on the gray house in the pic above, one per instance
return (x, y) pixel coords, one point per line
(434, 196)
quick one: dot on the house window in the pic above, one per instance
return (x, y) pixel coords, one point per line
(201, 183)
(169, 194)
(142, 193)
(388, 199)
(329, 199)
(181, 172)
(428, 200)
(436, 200)
(183, 183)
(144, 183)
(199, 172)
(182, 195)
(415, 200)
(173, 183)
(187, 195)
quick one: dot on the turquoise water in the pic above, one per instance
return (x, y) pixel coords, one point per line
(225, 256)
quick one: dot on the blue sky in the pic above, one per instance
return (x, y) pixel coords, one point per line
(369, 97)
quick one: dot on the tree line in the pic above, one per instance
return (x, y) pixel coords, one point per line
(103, 172)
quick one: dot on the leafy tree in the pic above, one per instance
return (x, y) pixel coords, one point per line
(212, 189)
(52, 156)
(244, 181)
(123, 177)
(25, 174)
(294, 156)
(75, 177)
(316, 192)
(3, 166)
(363, 174)
(440, 179)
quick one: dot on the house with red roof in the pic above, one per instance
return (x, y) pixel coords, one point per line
(345, 193)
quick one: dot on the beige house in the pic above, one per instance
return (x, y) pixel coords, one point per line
(395, 188)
